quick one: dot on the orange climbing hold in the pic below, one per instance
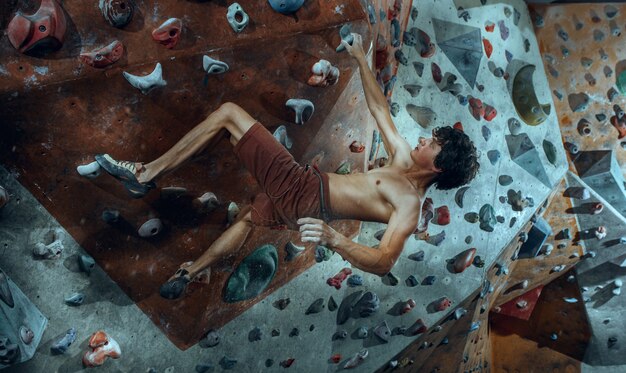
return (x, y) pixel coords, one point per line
(488, 47)
(357, 147)
(458, 126)
(490, 113)
(101, 346)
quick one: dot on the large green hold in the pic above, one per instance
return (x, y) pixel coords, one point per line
(621, 82)
(252, 275)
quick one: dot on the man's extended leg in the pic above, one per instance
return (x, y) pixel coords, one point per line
(231, 240)
(137, 177)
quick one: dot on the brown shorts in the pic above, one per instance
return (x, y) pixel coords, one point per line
(291, 191)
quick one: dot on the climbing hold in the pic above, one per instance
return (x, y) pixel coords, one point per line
(550, 150)
(104, 56)
(227, 363)
(324, 74)
(383, 332)
(421, 115)
(206, 203)
(494, 156)
(286, 6)
(525, 98)
(486, 132)
(463, 260)
(322, 253)
(586, 62)
(562, 34)
(401, 58)
(458, 126)
(346, 307)
(505, 180)
(429, 280)
(458, 197)
(489, 26)
(52, 245)
(86, 263)
(600, 232)
(584, 127)
(441, 304)
(287, 363)
(610, 11)
(471, 217)
(117, 12)
(516, 201)
(417, 328)
(332, 305)
(40, 32)
(316, 307)
(355, 280)
(336, 280)
(362, 332)
(409, 39)
(394, 109)
(564, 51)
(395, 32)
(168, 33)
(75, 299)
(581, 193)
(212, 66)
(148, 82)
(414, 13)
(90, 171)
(419, 68)
(504, 31)
(619, 121)
(413, 89)
(292, 251)
(571, 148)
(436, 239)
(487, 218)
(612, 94)
(490, 113)
(237, 18)
(436, 71)
(476, 108)
(280, 134)
(558, 268)
(598, 35)
(26, 335)
(345, 33)
(411, 281)
(459, 312)
(442, 215)
(367, 305)
(210, 339)
(526, 45)
(61, 345)
(150, 228)
(101, 346)
(424, 46)
(488, 47)
(303, 109)
(515, 126)
(468, 240)
(615, 30)
(357, 359)
(253, 274)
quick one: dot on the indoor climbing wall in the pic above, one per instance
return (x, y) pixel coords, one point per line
(580, 46)
(130, 79)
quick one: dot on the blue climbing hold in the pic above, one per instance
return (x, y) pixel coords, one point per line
(286, 6)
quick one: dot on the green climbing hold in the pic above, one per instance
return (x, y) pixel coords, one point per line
(344, 168)
(621, 82)
(253, 275)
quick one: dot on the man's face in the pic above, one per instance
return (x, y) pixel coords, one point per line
(425, 153)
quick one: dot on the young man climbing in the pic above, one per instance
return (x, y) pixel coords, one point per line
(305, 199)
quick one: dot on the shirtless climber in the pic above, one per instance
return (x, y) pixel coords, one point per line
(305, 199)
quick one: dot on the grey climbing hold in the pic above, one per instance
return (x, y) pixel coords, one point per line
(486, 132)
(437, 239)
(90, 171)
(150, 228)
(515, 127)
(394, 109)
(303, 108)
(414, 13)
(468, 240)
(494, 156)
(516, 201)
(60, 346)
(512, 222)
(227, 363)
(571, 147)
(346, 307)
(316, 307)
(413, 89)
(459, 312)
(75, 299)
(148, 82)
(255, 334)
(411, 281)
(383, 332)
(505, 180)
(418, 256)
(581, 193)
(292, 250)
(356, 360)
(280, 134)
(362, 332)
(253, 275)
(423, 116)
(368, 304)
(340, 334)
(211, 339)
(487, 217)
(419, 68)
(508, 55)
(578, 102)
(401, 58)
(213, 66)
(550, 150)
(86, 263)
(390, 279)
(355, 280)
(345, 32)
(237, 18)
(52, 245)
(459, 195)
(332, 304)
(409, 39)
(584, 127)
(471, 217)
(429, 280)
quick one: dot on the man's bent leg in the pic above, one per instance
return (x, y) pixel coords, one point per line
(137, 177)
(232, 239)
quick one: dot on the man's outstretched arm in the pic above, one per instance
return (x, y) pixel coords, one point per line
(376, 101)
(378, 261)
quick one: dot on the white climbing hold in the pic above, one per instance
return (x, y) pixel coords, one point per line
(148, 82)
(90, 171)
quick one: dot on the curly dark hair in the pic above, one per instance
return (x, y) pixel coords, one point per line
(457, 160)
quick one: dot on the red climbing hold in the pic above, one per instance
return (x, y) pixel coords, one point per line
(476, 108)
(436, 70)
(488, 47)
(357, 147)
(458, 126)
(463, 260)
(336, 358)
(490, 113)
(490, 26)
(442, 215)
(339, 278)
(40, 32)
(442, 304)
